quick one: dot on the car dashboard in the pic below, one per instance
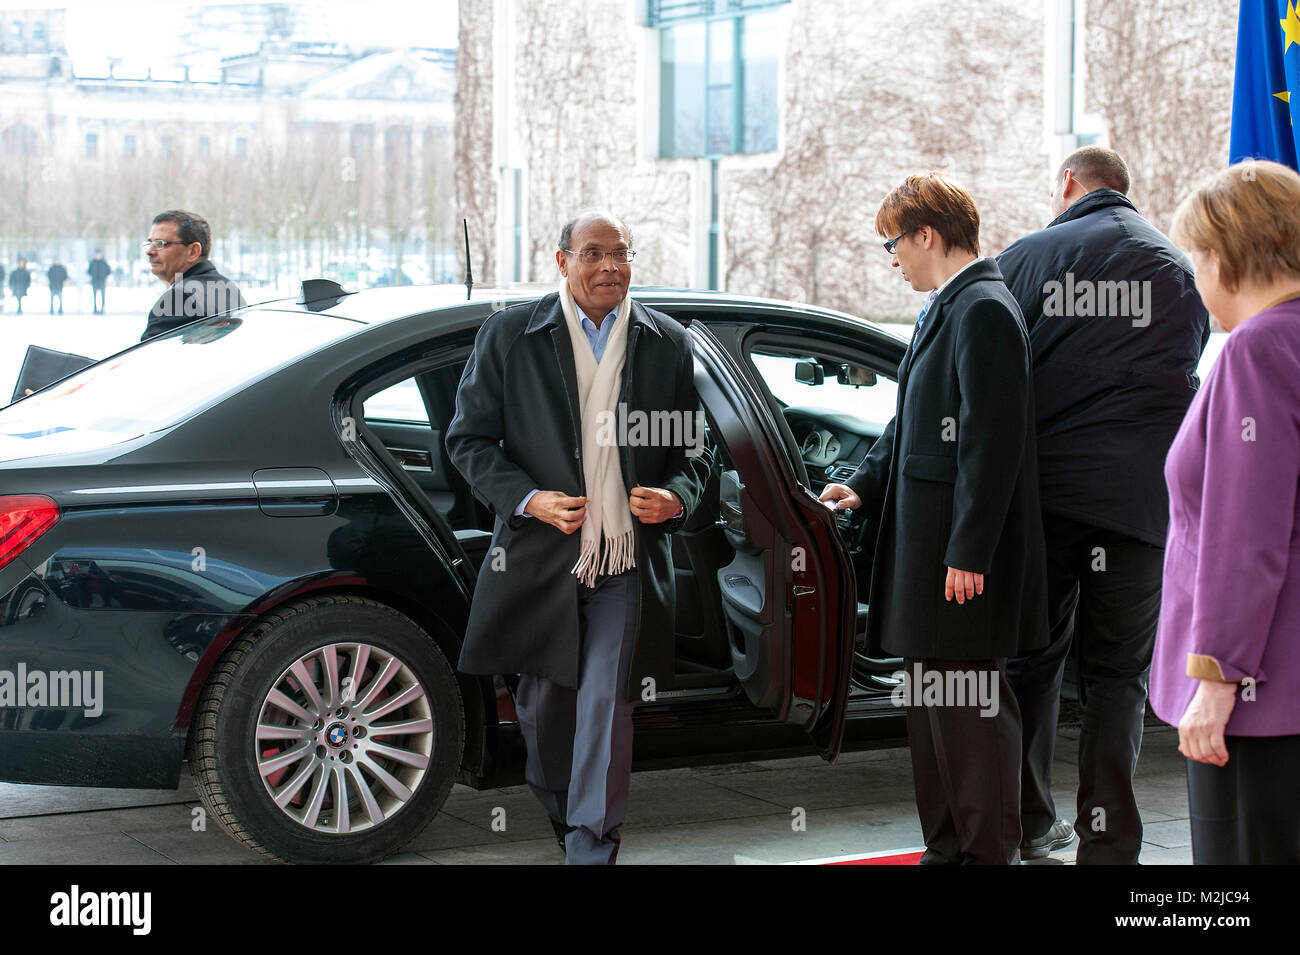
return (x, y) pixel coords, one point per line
(831, 443)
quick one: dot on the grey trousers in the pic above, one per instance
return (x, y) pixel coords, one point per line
(580, 741)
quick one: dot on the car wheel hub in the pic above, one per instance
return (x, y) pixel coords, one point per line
(344, 737)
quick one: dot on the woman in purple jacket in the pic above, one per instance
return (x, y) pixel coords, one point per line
(1227, 655)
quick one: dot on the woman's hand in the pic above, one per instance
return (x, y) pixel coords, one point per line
(1200, 731)
(840, 497)
(963, 585)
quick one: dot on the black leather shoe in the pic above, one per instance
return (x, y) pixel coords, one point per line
(1058, 837)
(561, 830)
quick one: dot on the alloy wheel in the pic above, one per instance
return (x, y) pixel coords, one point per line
(344, 738)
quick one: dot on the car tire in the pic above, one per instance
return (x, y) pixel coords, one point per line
(346, 787)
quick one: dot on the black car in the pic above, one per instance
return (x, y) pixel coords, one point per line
(242, 542)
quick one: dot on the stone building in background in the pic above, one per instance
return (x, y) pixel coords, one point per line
(749, 142)
(308, 155)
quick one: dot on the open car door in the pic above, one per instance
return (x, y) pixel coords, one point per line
(789, 593)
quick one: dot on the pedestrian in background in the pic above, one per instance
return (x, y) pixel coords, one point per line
(98, 270)
(1227, 653)
(20, 280)
(57, 275)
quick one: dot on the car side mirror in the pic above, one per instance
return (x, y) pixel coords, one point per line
(809, 372)
(855, 375)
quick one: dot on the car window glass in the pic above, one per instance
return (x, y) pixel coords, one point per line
(162, 382)
(873, 404)
(400, 402)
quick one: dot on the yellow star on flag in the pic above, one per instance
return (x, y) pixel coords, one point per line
(1290, 26)
(1285, 97)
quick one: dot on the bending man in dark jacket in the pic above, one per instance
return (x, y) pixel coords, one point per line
(576, 594)
(177, 248)
(1116, 329)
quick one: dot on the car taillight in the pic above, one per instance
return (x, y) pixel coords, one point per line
(23, 518)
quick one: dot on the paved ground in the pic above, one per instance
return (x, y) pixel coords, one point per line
(735, 814)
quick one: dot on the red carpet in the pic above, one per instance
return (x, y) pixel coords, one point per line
(891, 858)
(887, 857)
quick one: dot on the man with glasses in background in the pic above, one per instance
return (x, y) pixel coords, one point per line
(577, 595)
(177, 248)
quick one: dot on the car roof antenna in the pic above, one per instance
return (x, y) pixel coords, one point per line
(469, 270)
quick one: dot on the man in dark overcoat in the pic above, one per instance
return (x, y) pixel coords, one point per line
(20, 280)
(576, 594)
(99, 271)
(56, 275)
(958, 579)
(1116, 329)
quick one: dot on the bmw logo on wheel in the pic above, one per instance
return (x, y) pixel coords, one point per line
(338, 734)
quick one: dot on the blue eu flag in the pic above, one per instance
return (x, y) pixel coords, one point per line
(1268, 72)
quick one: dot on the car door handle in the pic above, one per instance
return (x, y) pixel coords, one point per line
(733, 518)
(412, 457)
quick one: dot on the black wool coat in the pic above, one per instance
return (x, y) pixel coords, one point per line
(98, 270)
(954, 478)
(20, 280)
(1110, 390)
(516, 428)
(200, 292)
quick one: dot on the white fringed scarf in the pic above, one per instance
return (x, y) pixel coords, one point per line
(609, 517)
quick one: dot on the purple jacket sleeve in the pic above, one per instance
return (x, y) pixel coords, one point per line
(1252, 458)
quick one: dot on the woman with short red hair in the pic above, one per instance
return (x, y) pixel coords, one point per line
(959, 578)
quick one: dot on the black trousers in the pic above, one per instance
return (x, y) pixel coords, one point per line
(1103, 592)
(966, 767)
(1245, 812)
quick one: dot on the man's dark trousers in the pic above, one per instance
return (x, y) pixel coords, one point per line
(97, 299)
(1103, 591)
(580, 741)
(966, 770)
